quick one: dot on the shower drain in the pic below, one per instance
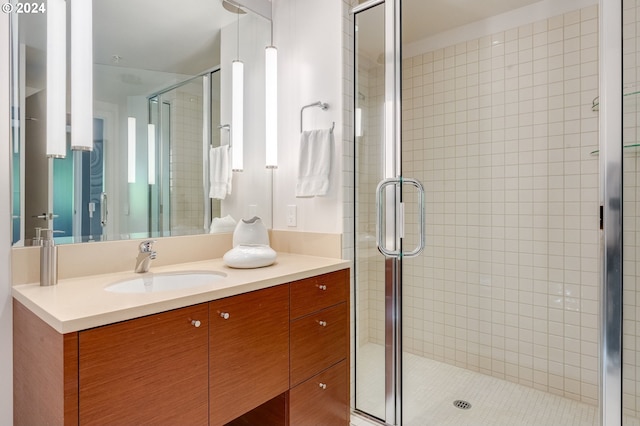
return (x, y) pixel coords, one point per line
(463, 405)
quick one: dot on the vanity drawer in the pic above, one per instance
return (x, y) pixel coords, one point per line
(323, 399)
(318, 341)
(315, 293)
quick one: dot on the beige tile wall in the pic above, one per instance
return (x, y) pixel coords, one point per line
(500, 130)
(186, 184)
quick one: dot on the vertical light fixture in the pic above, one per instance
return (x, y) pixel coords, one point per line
(237, 107)
(81, 75)
(151, 155)
(56, 79)
(358, 122)
(131, 145)
(271, 102)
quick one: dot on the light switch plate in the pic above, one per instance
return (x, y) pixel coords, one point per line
(292, 215)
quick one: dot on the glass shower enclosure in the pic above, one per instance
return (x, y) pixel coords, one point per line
(498, 320)
(183, 126)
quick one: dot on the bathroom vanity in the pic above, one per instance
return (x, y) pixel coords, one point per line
(267, 351)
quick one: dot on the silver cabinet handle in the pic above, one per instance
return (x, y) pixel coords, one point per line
(196, 323)
(224, 315)
(322, 385)
(322, 287)
(322, 323)
(104, 212)
(380, 213)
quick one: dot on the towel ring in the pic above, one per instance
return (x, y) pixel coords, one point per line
(323, 105)
(226, 127)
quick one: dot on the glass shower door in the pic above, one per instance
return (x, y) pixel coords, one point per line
(381, 213)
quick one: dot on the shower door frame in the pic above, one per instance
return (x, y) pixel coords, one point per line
(610, 128)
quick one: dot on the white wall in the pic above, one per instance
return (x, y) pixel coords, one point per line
(6, 349)
(308, 34)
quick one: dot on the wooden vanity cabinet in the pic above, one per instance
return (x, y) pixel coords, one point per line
(150, 370)
(276, 356)
(249, 351)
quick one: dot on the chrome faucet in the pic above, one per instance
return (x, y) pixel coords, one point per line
(146, 255)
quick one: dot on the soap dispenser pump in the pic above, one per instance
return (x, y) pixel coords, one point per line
(37, 240)
(48, 259)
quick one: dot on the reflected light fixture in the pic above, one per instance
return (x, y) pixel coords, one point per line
(151, 155)
(358, 122)
(237, 108)
(131, 145)
(81, 75)
(56, 79)
(271, 103)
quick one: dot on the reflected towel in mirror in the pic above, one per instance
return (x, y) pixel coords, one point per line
(219, 172)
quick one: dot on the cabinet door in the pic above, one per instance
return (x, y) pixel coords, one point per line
(323, 399)
(151, 370)
(249, 354)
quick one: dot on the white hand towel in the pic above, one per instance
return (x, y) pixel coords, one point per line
(219, 172)
(314, 163)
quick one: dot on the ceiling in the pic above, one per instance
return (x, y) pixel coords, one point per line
(178, 37)
(182, 38)
(425, 18)
(139, 46)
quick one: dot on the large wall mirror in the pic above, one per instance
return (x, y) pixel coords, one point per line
(162, 102)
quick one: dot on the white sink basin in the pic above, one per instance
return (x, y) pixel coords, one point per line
(153, 283)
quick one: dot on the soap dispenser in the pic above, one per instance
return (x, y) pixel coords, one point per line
(37, 240)
(48, 259)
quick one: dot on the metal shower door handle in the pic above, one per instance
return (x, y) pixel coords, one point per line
(397, 182)
(421, 213)
(103, 209)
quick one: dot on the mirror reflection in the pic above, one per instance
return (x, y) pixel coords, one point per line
(161, 103)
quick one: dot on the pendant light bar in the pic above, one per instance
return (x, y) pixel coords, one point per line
(237, 121)
(56, 79)
(151, 155)
(131, 151)
(82, 75)
(271, 107)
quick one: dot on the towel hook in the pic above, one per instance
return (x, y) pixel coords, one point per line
(323, 105)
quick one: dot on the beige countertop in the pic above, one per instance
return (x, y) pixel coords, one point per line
(81, 303)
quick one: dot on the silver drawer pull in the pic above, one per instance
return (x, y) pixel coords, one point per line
(322, 287)
(323, 323)
(196, 323)
(224, 315)
(323, 385)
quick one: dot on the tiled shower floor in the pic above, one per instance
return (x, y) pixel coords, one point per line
(431, 387)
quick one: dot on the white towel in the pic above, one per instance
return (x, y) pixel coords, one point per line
(219, 172)
(314, 163)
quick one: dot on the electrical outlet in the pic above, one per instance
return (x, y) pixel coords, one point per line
(292, 215)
